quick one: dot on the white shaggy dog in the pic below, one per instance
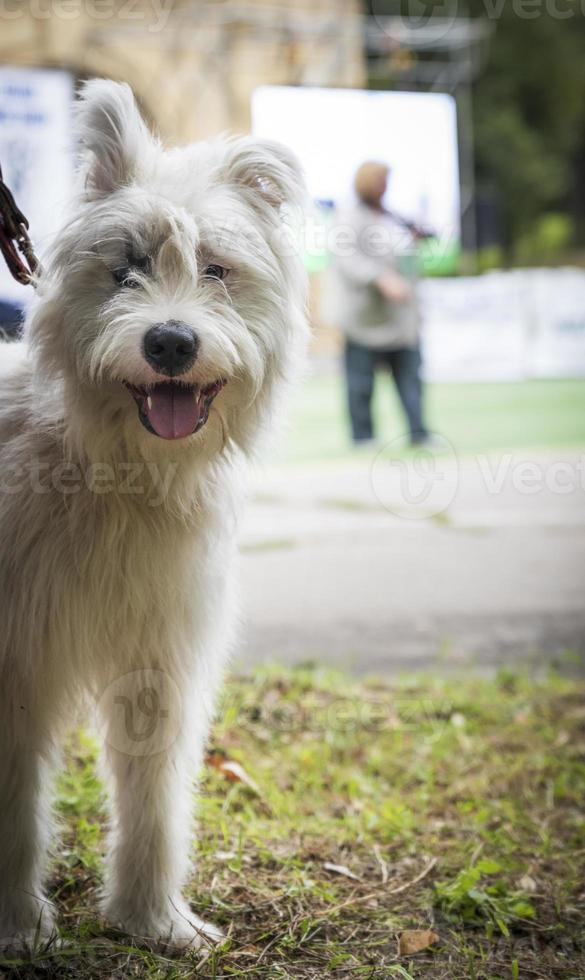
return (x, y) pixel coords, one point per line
(167, 321)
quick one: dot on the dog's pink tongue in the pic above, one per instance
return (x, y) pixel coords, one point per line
(173, 411)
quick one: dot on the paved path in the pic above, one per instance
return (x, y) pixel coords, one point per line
(386, 565)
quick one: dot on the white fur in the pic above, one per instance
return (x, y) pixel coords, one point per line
(107, 592)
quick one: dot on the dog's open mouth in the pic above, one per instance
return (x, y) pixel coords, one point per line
(172, 410)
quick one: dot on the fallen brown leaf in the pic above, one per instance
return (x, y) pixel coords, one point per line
(232, 770)
(415, 940)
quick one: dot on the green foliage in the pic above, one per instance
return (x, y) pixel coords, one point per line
(491, 257)
(547, 241)
(476, 896)
(529, 108)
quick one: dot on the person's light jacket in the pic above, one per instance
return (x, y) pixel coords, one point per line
(365, 243)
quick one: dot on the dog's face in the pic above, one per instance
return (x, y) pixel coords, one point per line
(174, 301)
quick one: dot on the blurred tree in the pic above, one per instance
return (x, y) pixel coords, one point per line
(529, 106)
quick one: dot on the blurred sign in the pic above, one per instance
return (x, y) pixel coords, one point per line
(332, 131)
(557, 345)
(505, 326)
(35, 152)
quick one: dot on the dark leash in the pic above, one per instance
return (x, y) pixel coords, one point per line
(416, 230)
(15, 243)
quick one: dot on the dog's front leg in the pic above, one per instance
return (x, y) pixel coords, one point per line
(153, 751)
(26, 915)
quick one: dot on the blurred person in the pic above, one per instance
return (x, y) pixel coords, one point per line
(11, 319)
(378, 309)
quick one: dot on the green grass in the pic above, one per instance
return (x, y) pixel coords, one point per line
(458, 806)
(474, 417)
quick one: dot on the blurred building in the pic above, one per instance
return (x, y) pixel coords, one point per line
(193, 65)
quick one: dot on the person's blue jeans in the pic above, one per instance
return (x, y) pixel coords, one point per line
(404, 365)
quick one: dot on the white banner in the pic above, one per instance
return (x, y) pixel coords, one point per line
(332, 131)
(505, 326)
(35, 153)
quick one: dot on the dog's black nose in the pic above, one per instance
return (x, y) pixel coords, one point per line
(171, 348)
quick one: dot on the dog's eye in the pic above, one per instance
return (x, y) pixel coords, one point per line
(125, 274)
(124, 277)
(216, 272)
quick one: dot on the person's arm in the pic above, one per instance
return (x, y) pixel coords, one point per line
(393, 286)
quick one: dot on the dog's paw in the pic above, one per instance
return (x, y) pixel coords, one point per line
(29, 933)
(187, 930)
(181, 929)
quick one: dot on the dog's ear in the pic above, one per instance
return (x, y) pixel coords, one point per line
(112, 135)
(268, 171)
